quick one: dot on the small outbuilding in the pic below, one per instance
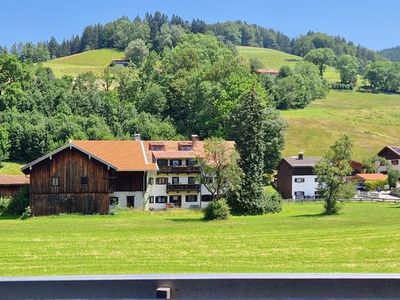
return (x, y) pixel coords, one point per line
(11, 184)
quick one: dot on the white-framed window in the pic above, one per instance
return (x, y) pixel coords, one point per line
(161, 199)
(191, 180)
(395, 162)
(161, 180)
(191, 198)
(55, 181)
(299, 193)
(175, 180)
(299, 179)
(151, 199)
(151, 180)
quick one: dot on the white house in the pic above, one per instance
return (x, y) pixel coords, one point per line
(296, 178)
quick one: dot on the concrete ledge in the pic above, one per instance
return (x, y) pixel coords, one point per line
(205, 286)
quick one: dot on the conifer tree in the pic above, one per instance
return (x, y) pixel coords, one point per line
(248, 133)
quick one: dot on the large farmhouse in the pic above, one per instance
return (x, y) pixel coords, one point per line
(88, 176)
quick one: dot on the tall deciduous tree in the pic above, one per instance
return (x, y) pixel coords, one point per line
(322, 57)
(347, 66)
(220, 172)
(4, 145)
(331, 171)
(137, 51)
(248, 129)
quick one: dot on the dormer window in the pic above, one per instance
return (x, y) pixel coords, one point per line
(185, 147)
(156, 146)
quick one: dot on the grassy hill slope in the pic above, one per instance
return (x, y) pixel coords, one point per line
(94, 60)
(371, 120)
(275, 59)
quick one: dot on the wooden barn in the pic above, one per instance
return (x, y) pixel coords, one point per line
(11, 184)
(82, 176)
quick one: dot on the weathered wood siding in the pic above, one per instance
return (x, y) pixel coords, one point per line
(129, 181)
(9, 190)
(284, 179)
(70, 195)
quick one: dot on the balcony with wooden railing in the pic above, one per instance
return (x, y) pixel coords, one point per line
(178, 169)
(183, 187)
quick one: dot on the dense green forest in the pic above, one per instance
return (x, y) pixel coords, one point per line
(391, 53)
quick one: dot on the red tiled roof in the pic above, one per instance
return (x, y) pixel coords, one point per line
(14, 180)
(267, 71)
(370, 177)
(124, 155)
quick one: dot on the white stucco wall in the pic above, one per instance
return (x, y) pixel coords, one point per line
(309, 186)
(122, 201)
(155, 190)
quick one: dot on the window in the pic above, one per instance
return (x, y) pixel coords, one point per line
(156, 147)
(151, 180)
(206, 198)
(161, 199)
(151, 199)
(190, 162)
(185, 147)
(191, 198)
(84, 180)
(175, 162)
(191, 180)
(175, 198)
(316, 179)
(298, 180)
(395, 162)
(55, 181)
(175, 180)
(161, 180)
(299, 193)
(113, 200)
(162, 162)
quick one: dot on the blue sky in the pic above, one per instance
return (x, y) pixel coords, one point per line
(372, 23)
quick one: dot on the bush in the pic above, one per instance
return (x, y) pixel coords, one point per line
(26, 214)
(374, 185)
(217, 210)
(16, 205)
(272, 202)
(4, 202)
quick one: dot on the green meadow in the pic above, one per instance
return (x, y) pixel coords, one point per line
(364, 237)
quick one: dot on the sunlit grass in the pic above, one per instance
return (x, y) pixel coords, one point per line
(363, 238)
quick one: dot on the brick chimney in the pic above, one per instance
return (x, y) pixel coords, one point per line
(137, 136)
(300, 155)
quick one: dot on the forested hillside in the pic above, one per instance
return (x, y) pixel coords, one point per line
(160, 31)
(391, 53)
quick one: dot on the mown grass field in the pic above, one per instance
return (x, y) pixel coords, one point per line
(371, 120)
(275, 59)
(94, 61)
(365, 237)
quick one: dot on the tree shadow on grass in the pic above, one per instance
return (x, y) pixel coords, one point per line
(186, 220)
(319, 215)
(8, 217)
